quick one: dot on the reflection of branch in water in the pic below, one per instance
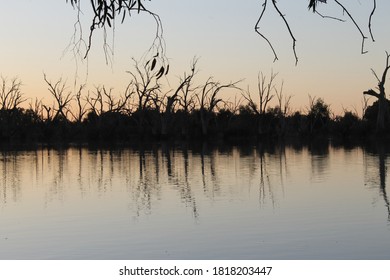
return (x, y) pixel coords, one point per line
(142, 195)
(202, 170)
(10, 172)
(378, 162)
(186, 191)
(214, 179)
(153, 173)
(264, 180)
(282, 163)
(156, 159)
(56, 189)
(167, 154)
(320, 161)
(382, 176)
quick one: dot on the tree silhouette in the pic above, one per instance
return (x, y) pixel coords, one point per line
(383, 117)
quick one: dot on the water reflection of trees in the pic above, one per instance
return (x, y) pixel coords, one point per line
(10, 188)
(189, 174)
(375, 164)
(145, 173)
(319, 155)
(267, 168)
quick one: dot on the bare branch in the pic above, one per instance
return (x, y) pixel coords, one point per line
(376, 76)
(10, 96)
(370, 19)
(383, 81)
(330, 17)
(356, 25)
(289, 30)
(372, 93)
(364, 104)
(63, 100)
(264, 92)
(257, 30)
(81, 108)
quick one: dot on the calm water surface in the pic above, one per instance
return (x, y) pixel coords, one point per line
(205, 203)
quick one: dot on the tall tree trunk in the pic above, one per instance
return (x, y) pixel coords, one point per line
(383, 117)
(383, 113)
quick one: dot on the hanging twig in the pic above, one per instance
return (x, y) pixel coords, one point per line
(289, 30)
(330, 17)
(370, 19)
(354, 22)
(257, 29)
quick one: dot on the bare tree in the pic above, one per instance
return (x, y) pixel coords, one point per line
(181, 96)
(265, 93)
(147, 88)
(81, 110)
(62, 99)
(383, 107)
(10, 95)
(104, 101)
(208, 100)
(186, 97)
(145, 83)
(283, 108)
(364, 103)
(95, 101)
(37, 108)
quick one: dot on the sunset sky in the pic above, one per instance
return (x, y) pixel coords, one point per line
(35, 34)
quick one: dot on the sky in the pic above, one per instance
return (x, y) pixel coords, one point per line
(36, 33)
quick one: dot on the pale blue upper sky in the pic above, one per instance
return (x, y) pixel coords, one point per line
(35, 34)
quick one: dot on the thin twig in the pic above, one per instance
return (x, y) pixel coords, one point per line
(369, 21)
(330, 17)
(257, 28)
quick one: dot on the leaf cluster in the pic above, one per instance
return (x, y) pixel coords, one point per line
(105, 11)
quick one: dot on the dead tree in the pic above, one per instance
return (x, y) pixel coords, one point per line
(81, 110)
(107, 101)
(36, 107)
(62, 99)
(10, 96)
(383, 107)
(95, 102)
(186, 97)
(145, 80)
(103, 101)
(283, 109)
(265, 94)
(208, 101)
(180, 95)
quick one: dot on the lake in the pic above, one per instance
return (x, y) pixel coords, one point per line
(314, 201)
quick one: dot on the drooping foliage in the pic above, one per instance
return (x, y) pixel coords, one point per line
(106, 11)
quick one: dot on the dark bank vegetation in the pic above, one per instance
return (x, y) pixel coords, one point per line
(143, 111)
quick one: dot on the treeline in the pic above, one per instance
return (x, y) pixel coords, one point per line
(143, 112)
